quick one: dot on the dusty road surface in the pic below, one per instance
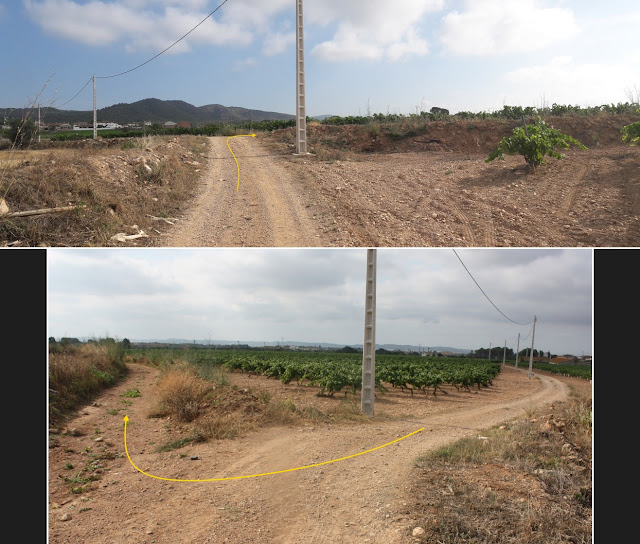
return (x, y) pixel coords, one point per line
(357, 500)
(269, 207)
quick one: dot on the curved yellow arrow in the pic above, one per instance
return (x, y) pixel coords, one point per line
(234, 157)
(126, 419)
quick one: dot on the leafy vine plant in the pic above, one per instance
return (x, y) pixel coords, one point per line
(534, 142)
(631, 133)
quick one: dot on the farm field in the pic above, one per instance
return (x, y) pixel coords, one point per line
(361, 186)
(368, 498)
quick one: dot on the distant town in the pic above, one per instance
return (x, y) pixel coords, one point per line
(55, 127)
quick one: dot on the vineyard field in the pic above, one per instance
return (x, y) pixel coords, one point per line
(332, 373)
(574, 371)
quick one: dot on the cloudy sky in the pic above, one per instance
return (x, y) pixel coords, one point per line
(362, 56)
(425, 297)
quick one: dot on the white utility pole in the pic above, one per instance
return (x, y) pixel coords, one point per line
(95, 111)
(518, 351)
(533, 334)
(301, 116)
(38, 121)
(489, 352)
(504, 353)
(369, 346)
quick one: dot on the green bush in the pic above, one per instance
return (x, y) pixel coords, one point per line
(22, 132)
(533, 142)
(631, 133)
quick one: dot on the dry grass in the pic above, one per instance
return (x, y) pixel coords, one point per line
(108, 182)
(205, 397)
(180, 393)
(528, 481)
(76, 374)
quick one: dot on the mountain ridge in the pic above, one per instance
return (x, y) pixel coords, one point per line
(149, 109)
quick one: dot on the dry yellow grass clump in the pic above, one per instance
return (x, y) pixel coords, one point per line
(76, 373)
(180, 393)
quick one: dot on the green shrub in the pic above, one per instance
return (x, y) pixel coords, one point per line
(533, 142)
(22, 132)
(631, 133)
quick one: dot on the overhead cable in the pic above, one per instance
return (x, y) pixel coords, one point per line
(474, 280)
(165, 50)
(74, 96)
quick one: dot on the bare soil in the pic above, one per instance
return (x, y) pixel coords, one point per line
(361, 499)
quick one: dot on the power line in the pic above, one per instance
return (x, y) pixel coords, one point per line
(165, 50)
(146, 62)
(474, 280)
(74, 96)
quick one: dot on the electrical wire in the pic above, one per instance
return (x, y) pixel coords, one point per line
(146, 62)
(74, 96)
(485, 294)
(165, 50)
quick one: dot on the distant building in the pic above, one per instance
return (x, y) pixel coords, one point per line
(184, 124)
(170, 124)
(564, 360)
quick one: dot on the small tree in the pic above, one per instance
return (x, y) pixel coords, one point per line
(533, 142)
(21, 132)
(631, 133)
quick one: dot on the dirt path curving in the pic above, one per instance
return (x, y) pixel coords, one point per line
(362, 499)
(270, 207)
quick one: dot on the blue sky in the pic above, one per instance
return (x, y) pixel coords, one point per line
(424, 296)
(362, 56)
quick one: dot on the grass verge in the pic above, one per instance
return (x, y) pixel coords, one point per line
(78, 373)
(116, 187)
(528, 481)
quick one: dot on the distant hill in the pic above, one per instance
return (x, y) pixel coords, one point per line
(153, 110)
(255, 343)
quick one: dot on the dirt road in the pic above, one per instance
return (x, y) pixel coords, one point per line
(269, 207)
(362, 499)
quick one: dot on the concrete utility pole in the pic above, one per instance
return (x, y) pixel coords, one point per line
(533, 334)
(518, 351)
(369, 347)
(95, 111)
(301, 116)
(504, 353)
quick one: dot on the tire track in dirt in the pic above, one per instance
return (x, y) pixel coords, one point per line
(269, 207)
(570, 199)
(467, 230)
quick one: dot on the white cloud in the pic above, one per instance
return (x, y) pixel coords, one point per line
(372, 30)
(245, 63)
(152, 25)
(487, 27)
(565, 81)
(95, 23)
(277, 43)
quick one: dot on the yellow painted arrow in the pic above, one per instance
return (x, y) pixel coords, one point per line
(126, 420)
(234, 157)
